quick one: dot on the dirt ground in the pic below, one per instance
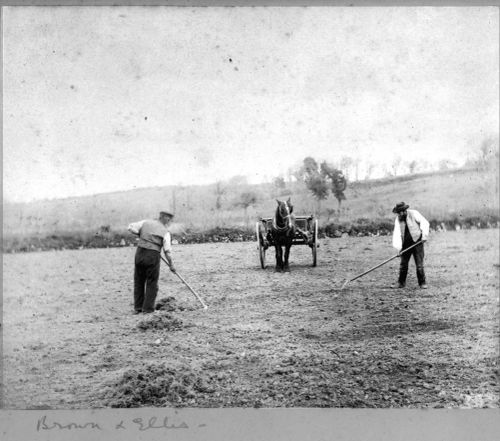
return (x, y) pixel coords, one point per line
(268, 339)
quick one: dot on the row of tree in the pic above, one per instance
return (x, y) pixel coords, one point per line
(319, 179)
(481, 154)
(324, 178)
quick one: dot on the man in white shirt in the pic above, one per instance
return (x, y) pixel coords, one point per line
(153, 236)
(410, 227)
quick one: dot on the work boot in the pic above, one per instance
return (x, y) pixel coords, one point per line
(398, 285)
(137, 311)
(423, 286)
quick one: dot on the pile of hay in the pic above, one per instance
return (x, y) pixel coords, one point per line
(156, 385)
(168, 304)
(160, 320)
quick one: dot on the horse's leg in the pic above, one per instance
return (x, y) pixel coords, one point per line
(287, 254)
(279, 259)
(288, 244)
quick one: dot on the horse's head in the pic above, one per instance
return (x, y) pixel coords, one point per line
(284, 209)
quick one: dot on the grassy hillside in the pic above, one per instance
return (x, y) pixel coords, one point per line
(439, 195)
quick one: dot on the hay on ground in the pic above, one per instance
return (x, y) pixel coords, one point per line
(160, 320)
(156, 385)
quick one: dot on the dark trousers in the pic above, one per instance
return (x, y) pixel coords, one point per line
(146, 274)
(418, 254)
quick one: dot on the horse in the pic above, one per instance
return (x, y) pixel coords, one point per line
(282, 232)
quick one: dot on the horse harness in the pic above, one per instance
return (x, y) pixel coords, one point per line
(288, 225)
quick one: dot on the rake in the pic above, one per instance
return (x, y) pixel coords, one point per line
(380, 264)
(187, 284)
(180, 277)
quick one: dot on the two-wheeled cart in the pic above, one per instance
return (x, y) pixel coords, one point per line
(306, 233)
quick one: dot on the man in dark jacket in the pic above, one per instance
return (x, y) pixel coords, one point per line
(153, 236)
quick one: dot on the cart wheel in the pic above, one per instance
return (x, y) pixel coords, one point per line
(262, 250)
(315, 243)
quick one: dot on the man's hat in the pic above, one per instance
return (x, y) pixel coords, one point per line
(400, 207)
(166, 213)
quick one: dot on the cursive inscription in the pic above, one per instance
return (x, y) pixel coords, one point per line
(153, 423)
(44, 425)
(141, 424)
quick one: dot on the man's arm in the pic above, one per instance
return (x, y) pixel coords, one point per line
(424, 225)
(135, 227)
(167, 249)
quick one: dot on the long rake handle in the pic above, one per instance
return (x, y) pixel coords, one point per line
(185, 283)
(385, 261)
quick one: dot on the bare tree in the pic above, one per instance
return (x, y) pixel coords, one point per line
(174, 199)
(412, 165)
(369, 170)
(346, 163)
(220, 191)
(356, 162)
(246, 200)
(395, 165)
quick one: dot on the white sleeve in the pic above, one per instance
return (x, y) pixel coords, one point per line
(167, 243)
(135, 227)
(424, 224)
(397, 242)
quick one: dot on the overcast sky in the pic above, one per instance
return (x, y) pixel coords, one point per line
(103, 99)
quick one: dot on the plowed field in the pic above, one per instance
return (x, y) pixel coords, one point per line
(268, 339)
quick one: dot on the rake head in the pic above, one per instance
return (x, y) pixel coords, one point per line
(345, 284)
